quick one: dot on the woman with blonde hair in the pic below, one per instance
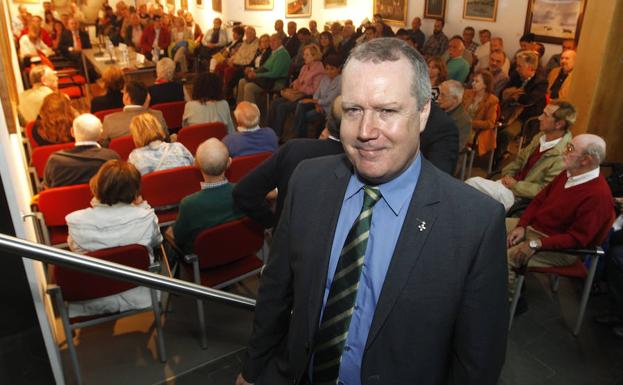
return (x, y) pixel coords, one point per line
(304, 86)
(152, 153)
(53, 125)
(118, 217)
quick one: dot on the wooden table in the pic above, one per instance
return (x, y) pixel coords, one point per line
(145, 72)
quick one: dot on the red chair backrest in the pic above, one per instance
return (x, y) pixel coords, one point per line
(229, 242)
(55, 203)
(169, 187)
(192, 136)
(41, 154)
(242, 165)
(80, 286)
(31, 138)
(102, 114)
(122, 146)
(173, 113)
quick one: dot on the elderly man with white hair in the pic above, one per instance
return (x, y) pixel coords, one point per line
(165, 89)
(43, 81)
(211, 206)
(575, 210)
(78, 164)
(250, 138)
(450, 100)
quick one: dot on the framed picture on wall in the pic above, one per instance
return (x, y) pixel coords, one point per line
(217, 5)
(184, 5)
(553, 22)
(484, 10)
(334, 3)
(434, 9)
(199, 3)
(298, 8)
(392, 11)
(258, 5)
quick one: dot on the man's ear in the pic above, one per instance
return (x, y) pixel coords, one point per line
(424, 114)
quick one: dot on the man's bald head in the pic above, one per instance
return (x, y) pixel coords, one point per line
(86, 127)
(212, 157)
(593, 146)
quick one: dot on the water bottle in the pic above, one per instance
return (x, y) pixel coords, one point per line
(155, 53)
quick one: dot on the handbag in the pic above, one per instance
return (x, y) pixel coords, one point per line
(292, 95)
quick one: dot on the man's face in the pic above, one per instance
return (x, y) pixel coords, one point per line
(416, 23)
(524, 70)
(526, 45)
(312, 25)
(484, 37)
(275, 42)
(278, 25)
(446, 101)
(72, 25)
(496, 61)
(291, 28)
(370, 34)
(455, 48)
(547, 122)
(567, 60)
(331, 71)
(303, 38)
(574, 156)
(496, 45)
(217, 23)
(381, 124)
(438, 26)
(468, 35)
(249, 34)
(568, 45)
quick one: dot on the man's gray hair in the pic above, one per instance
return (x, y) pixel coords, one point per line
(247, 114)
(391, 49)
(87, 127)
(595, 147)
(530, 58)
(36, 74)
(165, 69)
(335, 119)
(455, 89)
(566, 112)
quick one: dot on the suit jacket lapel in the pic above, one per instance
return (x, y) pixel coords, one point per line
(418, 223)
(324, 227)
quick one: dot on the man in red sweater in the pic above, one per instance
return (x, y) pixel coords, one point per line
(574, 211)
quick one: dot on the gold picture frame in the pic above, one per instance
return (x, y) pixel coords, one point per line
(484, 10)
(392, 11)
(259, 5)
(298, 8)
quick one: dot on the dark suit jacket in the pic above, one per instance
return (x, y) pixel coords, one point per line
(67, 41)
(166, 92)
(250, 192)
(534, 95)
(442, 315)
(75, 166)
(110, 100)
(439, 142)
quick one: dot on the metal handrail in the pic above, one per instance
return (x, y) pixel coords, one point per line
(27, 249)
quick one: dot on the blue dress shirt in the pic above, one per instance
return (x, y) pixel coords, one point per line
(388, 216)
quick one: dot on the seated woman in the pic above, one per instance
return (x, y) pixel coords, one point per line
(207, 105)
(305, 85)
(118, 217)
(230, 50)
(182, 43)
(438, 73)
(152, 153)
(232, 69)
(318, 108)
(326, 44)
(165, 90)
(113, 98)
(250, 138)
(482, 105)
(53, 125)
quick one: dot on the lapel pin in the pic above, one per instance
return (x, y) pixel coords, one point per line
(422, 225)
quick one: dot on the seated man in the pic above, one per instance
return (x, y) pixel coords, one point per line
(560, 78)
(458, 66)
(439, 142)
(72, 41)
(77, 165)
(213, 40)
(574, 211)
(43, 81)
(135, 100)
(212, 205)
(536, 164)
(165, 90)
(450, 100)
(250, 138)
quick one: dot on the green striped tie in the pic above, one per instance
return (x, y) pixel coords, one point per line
(339, 307)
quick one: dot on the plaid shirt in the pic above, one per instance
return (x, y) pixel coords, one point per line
(436, 45)
(472, 47)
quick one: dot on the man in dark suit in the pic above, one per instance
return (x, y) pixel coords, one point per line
(73, 40)
(414, 292)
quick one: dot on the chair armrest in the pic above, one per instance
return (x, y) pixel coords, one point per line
(190, 258)
(598, 251)
(52, 288)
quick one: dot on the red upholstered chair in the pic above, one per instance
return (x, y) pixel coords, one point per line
(31, 139)
(167, 188)
(173, 113)
(242, 165)
(69, 286)
(192, 136)
(54, 204)
(102, 114)
(122, 146)
(224, 255)
(39, 158)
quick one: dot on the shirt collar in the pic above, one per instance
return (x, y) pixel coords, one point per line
(547, 145)
(334, 138)
(133, 107)
(582, 178)
(208, 185)
(87, 143)
(242, 129)
(397, 192)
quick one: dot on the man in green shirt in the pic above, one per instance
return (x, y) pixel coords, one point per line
(212, 205)
(458, 67)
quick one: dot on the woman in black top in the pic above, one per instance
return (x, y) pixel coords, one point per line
(113, 98)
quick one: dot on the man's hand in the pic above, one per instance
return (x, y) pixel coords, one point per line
(251, 75)
(241, 381)
(515, 236)
(306, 100)
(522, 254)
(508, 181)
